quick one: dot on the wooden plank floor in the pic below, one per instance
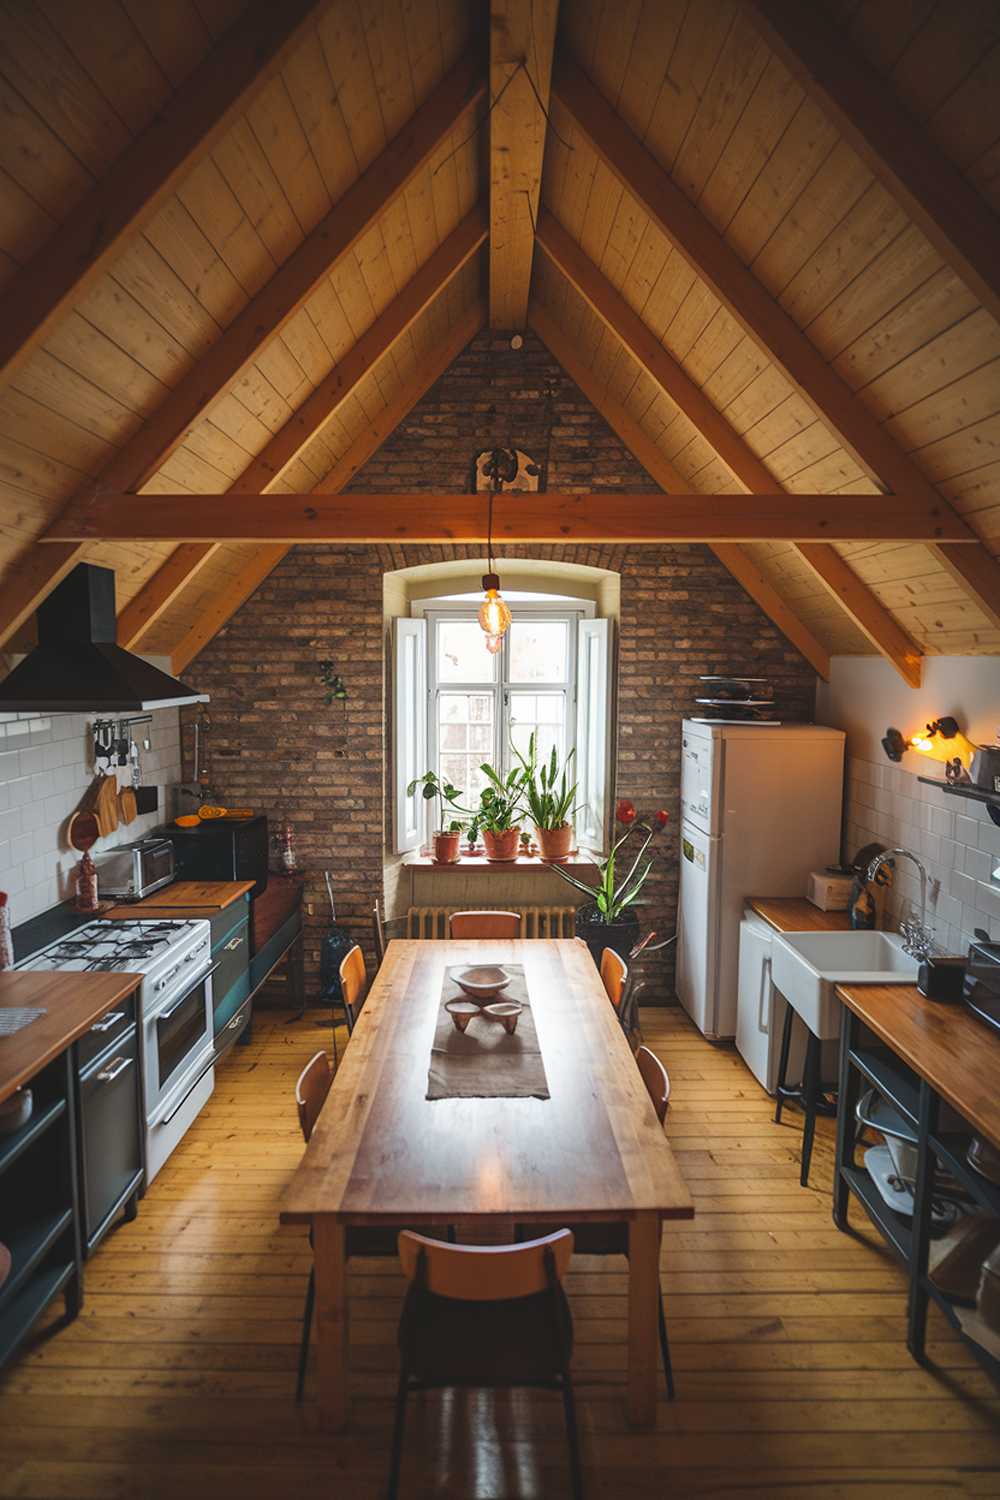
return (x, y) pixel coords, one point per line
(788, 1338)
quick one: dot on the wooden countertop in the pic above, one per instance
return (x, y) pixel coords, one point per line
(957, 1054)
(73, 1003)
(210, 894)
(796, 914)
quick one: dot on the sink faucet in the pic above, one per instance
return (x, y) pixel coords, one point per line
(918, 941)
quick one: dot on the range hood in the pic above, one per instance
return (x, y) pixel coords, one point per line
(78, 665)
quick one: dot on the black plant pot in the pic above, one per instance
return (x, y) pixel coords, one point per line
(622, 935)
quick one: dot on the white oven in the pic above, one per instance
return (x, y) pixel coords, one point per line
(178, 1049)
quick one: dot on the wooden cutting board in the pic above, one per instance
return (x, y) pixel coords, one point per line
(211, 894)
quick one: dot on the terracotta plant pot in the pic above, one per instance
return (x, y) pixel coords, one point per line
(446, 848)
(502, 846)
(555, 843)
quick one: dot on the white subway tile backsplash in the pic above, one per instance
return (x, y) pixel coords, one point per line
(45, 768)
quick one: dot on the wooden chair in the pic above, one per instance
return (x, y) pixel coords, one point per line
(614, 977)
(485, 1315)
(484, 924)
(311, 1090)
(353, 984)
(378, 931)
(612, 1239)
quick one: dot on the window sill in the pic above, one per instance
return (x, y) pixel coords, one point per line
(581, 863)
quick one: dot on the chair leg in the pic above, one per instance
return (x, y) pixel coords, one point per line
(786, 1043)
(306, 1331)
(396, 1455)
(665, 1350)
(809, 1104)
(573, 1437)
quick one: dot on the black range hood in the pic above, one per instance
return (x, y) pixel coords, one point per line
(78, 665)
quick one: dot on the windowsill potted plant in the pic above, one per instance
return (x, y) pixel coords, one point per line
(499, 813)
(447, 837)
(608, 918)
(550, 801)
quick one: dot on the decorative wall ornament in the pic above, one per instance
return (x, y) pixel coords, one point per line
(511, 468)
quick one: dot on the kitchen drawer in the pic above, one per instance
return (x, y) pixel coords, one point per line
(110, 1136)
(230, 1032)
(105, 1032)
(232, 954)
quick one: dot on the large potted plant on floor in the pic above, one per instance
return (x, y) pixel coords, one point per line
(608, 918)
(445, 838)
(499, 813)
(549, 795)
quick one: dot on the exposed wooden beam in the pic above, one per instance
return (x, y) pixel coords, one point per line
(137, 184)
(874, 620)
(266, 314)
(546, 517)
(976, 570)
(749, 302)
(265, 559)
(315, 412)
(156, 596)
(957, 220)
(522, 39)
(735, 558)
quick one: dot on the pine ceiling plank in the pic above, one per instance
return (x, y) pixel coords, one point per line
(142, 611)
(522, 39)
(646, 452)
(221, 608)
(739, 290)
(902, 156)
(232, 358)
(756, 477)
(145, 173)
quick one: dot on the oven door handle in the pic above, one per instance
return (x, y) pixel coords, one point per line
(164, 1015)
(188, 1092)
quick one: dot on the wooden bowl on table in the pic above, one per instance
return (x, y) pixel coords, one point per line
(483, 982)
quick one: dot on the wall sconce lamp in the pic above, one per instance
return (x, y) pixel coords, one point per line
(941, 740)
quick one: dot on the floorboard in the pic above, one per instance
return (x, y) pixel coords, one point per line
(788, 1339)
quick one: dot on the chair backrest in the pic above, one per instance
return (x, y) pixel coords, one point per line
(311, 1091)
(353, 977)
(484, 924)
(377, 930)
(656, 1079)
(485, 1273)
(614, 975)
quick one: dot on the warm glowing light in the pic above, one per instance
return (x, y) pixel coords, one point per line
(918, 742)
(494, 643)
(494, 613)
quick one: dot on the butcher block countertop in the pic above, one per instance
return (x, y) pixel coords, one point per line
(958, 1055)
(210, 894)
(73, 1003)
(796, 914)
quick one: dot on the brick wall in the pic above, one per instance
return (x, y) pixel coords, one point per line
(277, 747)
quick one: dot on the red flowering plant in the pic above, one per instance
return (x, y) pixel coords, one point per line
(613, 896)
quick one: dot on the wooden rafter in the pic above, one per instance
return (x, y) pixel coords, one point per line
(854, 596)
(756, 311)
(312, 416)
(955, 218)
(183, 132)
(264, 559)
(264, 316)
(522, 39)
(735, 558)
(545, 517)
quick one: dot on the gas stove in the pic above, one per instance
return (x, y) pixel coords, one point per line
(174, 1012)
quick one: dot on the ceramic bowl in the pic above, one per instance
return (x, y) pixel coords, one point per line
(462, 1012)
(507, 1012)
(483, 982)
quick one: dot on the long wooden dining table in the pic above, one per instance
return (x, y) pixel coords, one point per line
(383, 1154)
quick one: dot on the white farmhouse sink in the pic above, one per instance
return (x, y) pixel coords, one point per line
(807, 966)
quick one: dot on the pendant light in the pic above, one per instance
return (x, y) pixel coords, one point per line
(494, 613)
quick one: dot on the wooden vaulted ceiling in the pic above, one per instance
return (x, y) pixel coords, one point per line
(239, 241)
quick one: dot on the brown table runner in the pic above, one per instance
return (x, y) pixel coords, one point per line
(483, 1062)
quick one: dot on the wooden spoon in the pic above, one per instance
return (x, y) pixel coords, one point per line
(126, 804)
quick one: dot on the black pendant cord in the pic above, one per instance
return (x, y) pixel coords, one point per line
(489, 528)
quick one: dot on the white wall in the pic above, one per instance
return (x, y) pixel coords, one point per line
(886, 803)
(46, 765)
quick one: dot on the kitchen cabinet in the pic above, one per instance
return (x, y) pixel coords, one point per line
(109, 1123)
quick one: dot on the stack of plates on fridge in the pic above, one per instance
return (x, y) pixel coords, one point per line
(736, 700)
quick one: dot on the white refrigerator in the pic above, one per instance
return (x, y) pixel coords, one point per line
(760, 809)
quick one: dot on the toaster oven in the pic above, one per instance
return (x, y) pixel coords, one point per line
(135, 870)
(981, 992)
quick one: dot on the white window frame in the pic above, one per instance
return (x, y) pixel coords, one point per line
(437, 610)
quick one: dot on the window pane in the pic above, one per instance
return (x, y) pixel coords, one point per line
(461, 653)
(546, 714)
(465, 740)
(538, 651)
